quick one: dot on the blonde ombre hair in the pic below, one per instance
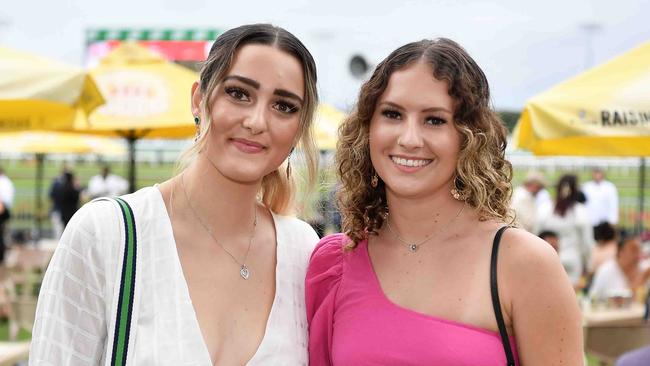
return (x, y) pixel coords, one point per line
(277, 190)
(483, 175)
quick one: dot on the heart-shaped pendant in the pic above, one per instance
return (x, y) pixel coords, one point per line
(244, 272)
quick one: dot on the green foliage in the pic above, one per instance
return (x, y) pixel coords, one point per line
(23, 335)
(509, 118)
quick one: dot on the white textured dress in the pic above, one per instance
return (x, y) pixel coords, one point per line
(575, 236)
(78, 302)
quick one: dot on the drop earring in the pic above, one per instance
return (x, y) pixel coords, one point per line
(374, 180)
(289, 163)
(197, 123)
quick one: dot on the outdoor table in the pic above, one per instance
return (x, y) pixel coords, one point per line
(12, 352)
(608, 333)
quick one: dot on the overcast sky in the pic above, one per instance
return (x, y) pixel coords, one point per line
(524, 47)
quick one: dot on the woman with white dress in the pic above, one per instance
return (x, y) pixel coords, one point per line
(568, 218)
(219, 267)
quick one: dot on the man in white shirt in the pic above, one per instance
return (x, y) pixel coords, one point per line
(6, 201)
(602, 199)
(622, 275)
(106, 184)
(529, 198)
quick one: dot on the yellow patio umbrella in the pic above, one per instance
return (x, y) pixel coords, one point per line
(50, 142)
(327, 123)
(37, 93)
(604, 111)
(146, 97)
(41, 143)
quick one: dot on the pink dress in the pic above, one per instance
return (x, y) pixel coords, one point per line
(352, 322)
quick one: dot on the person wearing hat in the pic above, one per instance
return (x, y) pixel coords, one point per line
(529, 198)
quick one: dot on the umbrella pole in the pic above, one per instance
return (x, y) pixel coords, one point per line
(641, 194)
(40, 160)
(131, 140)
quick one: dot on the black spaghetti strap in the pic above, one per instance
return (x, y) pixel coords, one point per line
(495, 297)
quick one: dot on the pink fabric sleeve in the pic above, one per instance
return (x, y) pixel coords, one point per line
(321, 285)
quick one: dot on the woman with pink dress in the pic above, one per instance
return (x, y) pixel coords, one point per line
(427, 270)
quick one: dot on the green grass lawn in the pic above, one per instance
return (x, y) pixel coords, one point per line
(23, 173)
(23, 335)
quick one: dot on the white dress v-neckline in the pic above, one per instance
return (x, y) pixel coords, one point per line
(185, 291)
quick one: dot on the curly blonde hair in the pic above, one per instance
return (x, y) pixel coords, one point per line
(483, 175)
(277, 190)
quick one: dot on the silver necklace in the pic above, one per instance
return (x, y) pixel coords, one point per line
(414, 246)
(244, 272)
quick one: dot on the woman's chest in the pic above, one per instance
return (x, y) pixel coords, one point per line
(191, 321)
(388, 335)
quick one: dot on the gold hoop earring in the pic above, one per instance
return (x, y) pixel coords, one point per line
(456, 192)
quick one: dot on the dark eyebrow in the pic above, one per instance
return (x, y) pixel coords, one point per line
(256, 85)
(437, 109)
(391, 104)
(432, 109)
(244, 80)
(287, 94)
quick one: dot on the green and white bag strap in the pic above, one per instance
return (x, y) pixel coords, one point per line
(126, 299)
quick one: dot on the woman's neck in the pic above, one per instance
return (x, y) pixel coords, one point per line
(416, 218)
(224, 205)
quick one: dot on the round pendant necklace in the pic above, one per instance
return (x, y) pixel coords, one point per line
(244, 272)
(414, 246)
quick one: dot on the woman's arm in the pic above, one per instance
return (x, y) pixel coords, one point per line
(545, 316)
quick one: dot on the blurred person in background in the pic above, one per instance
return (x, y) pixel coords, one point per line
(551, 238)
(6, 201)
(606, 245)
(623, 274)
(55, 198)
(106, 184)
(332, 208)
(221, 260)
(602, 199)
(319, 219)
(568, 218)
(529, 199)
(68, 197)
